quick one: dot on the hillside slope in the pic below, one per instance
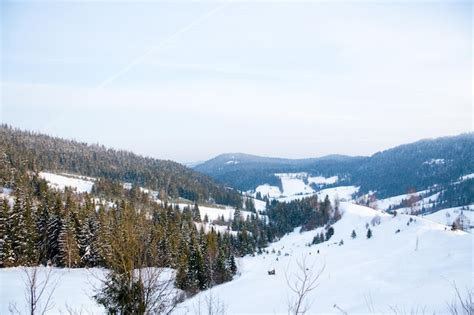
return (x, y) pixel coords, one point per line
(33, 151)
(417, 165)
(410, 270)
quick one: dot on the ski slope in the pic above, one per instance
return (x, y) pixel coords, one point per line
(412, 269)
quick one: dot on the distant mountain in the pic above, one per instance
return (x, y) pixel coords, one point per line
(418, 165)
(54, 154)
(245, 172)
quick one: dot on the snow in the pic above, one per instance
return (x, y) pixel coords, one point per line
(320, 180)
(6, 193)
(410, 269)
(466, 177)
(81, 184)
(298, 185)
(293, 184)
(363, 275)
(259, 205)
(434, 162)
(232, 162)
(267, 190)
(74, 291)
(447, 216)
(385, 204)
(344, 193)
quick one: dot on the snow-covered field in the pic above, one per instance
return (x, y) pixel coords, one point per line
(343, 193)
(269, 191)
(447, 216)
(320, 180)
(72, 289)
(214, 213)
(426, 201)
(409, 270)
(75, 288)
(293, 184)
(60, 181)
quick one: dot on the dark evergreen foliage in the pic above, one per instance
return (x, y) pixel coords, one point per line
(31, 151)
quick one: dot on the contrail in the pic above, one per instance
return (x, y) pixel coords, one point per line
(161, 44)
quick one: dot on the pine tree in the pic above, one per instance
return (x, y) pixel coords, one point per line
(68, 246)
(29, 250)
(4, 212)
(237, 221)
(87, 239)
(16, 227)
(42, 221)
(369, 233)
(196, 214)
(329, 233)
(181, 279)
(53, 231)
(353, 234)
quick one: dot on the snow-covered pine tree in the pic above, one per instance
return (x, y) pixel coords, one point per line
(53, 230)
(68, 246)
(29, 251)
(4, 212)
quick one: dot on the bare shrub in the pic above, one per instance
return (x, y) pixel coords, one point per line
(301, 284)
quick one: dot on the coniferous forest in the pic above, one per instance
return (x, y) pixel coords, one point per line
(126, 229)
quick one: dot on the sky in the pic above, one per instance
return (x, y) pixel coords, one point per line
(187, 81)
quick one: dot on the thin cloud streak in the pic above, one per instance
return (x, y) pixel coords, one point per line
(162, 44)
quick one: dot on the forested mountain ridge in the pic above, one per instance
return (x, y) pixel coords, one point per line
(126, 228)
(245, 172)
(39, 152)
(417, 165)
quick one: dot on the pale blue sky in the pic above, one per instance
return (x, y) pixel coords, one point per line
(187, 81)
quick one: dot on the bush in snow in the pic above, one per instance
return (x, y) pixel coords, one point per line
(329, 233)
(375, 220)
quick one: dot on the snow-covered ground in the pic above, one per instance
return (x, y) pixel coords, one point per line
(466, 177)
(448, 216)
(215, 213)
(75, 288)
(344, 193)
(269, 191)
(385, 204)
(320, 180)
(293, 183)
(408, 270)
(72, 289)
(82, 184)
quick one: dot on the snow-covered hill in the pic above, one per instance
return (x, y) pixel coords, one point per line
(410, 263)
(406, 270)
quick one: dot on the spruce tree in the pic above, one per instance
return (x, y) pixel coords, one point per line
(53, 231)
(29, 251)
(369, 233)
(4, 212)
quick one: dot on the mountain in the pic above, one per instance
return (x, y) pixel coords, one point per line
(417, 165)
(38, 152)
(245, 172)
